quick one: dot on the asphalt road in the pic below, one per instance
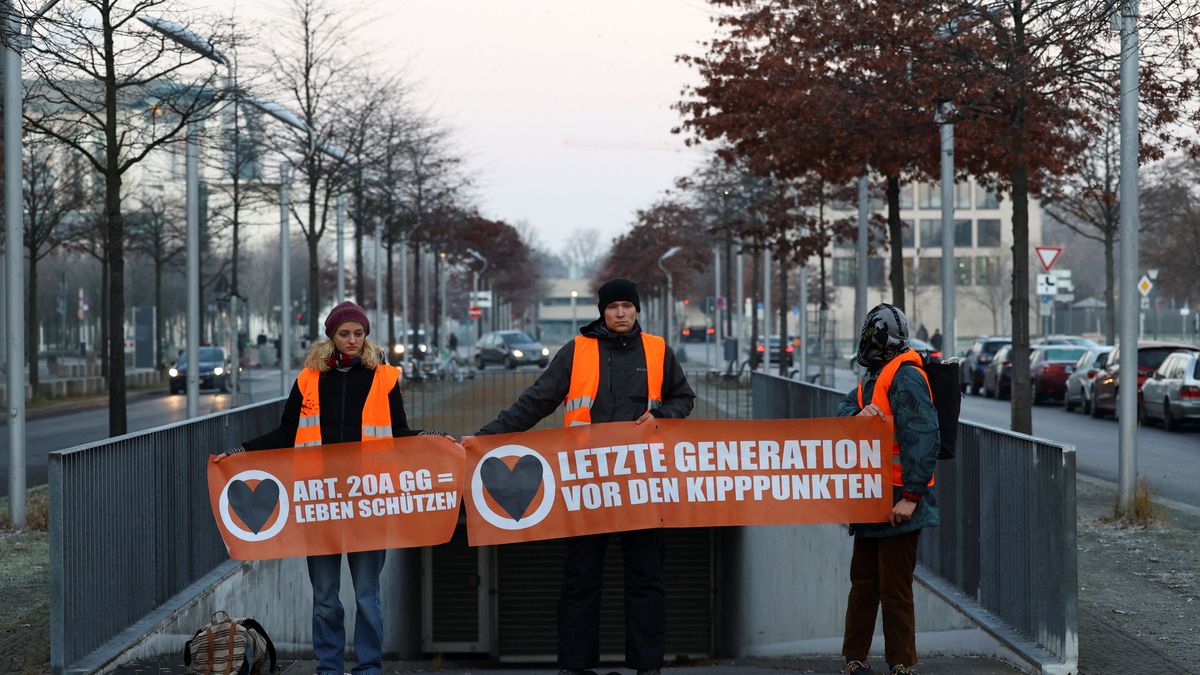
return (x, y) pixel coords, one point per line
(1167, 461)
(48, 432)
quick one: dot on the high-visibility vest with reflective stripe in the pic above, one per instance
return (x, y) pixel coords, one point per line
(585, 377)
(879, 396)
(376, 413)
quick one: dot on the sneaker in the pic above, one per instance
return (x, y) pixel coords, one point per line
(857, 667)
(903, 670)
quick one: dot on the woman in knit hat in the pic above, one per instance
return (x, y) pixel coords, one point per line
(345, 393)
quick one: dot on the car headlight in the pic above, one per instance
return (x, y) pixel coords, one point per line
(422, 348)
(218, 370)
(173, 372)
(398, 348)
(518, 353)
(545, 351)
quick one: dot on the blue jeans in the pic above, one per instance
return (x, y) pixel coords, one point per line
(329, 628)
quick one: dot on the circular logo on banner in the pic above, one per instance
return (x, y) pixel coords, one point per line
(254, 506)
(513, 487)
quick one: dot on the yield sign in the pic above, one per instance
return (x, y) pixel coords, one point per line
(1048, 255)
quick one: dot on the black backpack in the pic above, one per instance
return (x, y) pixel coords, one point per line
(946, 389)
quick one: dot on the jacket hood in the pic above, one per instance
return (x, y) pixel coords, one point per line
(599, 330)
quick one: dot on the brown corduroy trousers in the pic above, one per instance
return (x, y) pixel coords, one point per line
(881, 572)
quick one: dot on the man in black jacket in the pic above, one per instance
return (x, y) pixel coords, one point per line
(622, 394)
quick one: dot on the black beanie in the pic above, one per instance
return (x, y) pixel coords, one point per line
(616, 290)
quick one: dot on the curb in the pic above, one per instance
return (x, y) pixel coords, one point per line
(1162, 502)
(76, 405)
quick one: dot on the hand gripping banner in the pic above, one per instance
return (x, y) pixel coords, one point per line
(676, 473)
(396, 493)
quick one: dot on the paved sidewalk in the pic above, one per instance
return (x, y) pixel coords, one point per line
(821, 666)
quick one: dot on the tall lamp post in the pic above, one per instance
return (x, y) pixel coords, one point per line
(574, 316)
(475, 287)
(669, 314)
(14, 222)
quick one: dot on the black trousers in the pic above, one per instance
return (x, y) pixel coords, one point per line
(645, 600)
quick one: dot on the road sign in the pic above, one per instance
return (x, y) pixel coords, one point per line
(475, 312)
(721, 304)
(1045, 307)
(481, 299)
(1145, 286)
(1048, 255)
(1064, 297)
(1046, 285)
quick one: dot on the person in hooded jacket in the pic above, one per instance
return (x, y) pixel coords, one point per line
(885, 554)
(611, 372)
(344, 394)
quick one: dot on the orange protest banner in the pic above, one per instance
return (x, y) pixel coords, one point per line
(396, 493)
(676, 473)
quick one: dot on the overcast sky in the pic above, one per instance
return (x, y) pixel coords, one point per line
(530, 86)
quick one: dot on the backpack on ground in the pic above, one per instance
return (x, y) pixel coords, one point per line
(228, 646)
(947, 400)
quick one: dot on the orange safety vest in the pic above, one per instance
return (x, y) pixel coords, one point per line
(879, 396)
(585, 377)
(376, 413)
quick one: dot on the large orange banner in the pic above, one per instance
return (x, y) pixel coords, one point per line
(396, 493)
(676, 473)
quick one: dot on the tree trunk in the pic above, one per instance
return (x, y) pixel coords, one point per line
(391, 296)
(755, 280)
(822, 313)
(415, 313)
(783, 312)
(1022, 396)
(728, 288)
(437, 300)
(101, 349)
(895, 241)
(115, 230)
(158, 314)
(313, 288)
(31, 325)
(1110, 283)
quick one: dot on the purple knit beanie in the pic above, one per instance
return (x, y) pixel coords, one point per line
(347, 311)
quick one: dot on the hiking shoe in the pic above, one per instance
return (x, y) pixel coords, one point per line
(903, 670)
(857, 667)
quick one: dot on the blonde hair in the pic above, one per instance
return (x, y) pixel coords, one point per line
(321, 351)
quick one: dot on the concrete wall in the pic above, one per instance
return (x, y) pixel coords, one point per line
(276, 593)
(786, 591)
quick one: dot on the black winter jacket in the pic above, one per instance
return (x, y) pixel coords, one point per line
(341, 395)
(622, 392)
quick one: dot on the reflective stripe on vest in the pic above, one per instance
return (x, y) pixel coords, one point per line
(879, 397)
(585, 377)
(376, 413)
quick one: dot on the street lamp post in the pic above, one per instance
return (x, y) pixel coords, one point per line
(285, 274)
(669, 310)
(341, 250)
(574, 319)
(193, 270)
(949, 267)
(1127, 345)
(475, 286)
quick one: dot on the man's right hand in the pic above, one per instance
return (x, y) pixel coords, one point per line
(871, 409)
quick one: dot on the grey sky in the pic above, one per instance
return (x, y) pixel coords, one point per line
(527, 84)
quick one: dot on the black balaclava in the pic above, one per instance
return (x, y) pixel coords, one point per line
(883, 337)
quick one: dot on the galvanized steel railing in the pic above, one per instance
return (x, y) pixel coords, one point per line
(1007, 506)
(130, 525)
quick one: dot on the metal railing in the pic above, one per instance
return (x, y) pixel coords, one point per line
(130, 524)
(1007, 538)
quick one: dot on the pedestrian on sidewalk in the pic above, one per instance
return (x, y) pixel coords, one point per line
(936, 339)
(611, 372)
(885, 554)
(344, 375)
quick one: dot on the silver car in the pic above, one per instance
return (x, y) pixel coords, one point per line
(1079, 384)
(1172, 394)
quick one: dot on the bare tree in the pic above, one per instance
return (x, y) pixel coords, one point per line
(53, 190)
(309, 64)
(584, 252)
(991, 291)
(156, 233)
(114, 92)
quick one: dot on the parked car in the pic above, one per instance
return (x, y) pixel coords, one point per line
(1049, 367)
(760, 352)
(997, 377)
(1108, 382)
(214, 370)
(697, 334)
(510, 347)
(1079, 384)
(923, 348)
(1075, 340)
(975, 362)
(1172, 393)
